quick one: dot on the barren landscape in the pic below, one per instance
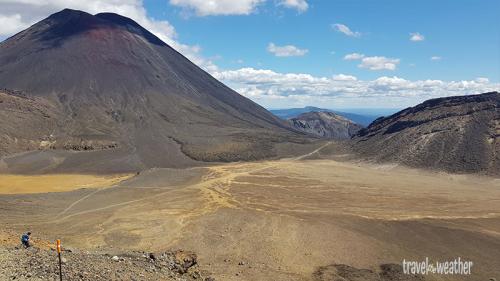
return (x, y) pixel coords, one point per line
(278, 219)
(124, 144)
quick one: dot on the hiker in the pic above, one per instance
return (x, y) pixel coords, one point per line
(25, 239)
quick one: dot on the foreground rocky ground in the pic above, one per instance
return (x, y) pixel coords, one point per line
(40, 262)
(18, 263)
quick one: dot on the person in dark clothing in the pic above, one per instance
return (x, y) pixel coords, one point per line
(25, 239)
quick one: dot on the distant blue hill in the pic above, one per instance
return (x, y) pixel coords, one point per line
(363, 119)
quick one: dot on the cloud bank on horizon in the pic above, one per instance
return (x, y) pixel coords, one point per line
(301, 72)
(270, 88)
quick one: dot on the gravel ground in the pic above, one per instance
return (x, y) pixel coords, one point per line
(17, 263)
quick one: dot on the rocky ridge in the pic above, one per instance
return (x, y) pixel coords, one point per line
(325, 124)
(456, 134)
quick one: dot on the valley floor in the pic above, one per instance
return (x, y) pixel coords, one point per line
(278, 220)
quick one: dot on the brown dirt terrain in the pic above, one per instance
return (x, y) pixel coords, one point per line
(19, 184)
(291, 219)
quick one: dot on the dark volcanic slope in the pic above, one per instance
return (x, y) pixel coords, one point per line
(457, 134)
(76, 81)
(325, 125)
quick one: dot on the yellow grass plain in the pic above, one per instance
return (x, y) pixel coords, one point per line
(23, 184)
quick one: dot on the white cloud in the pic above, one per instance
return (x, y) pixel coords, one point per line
(482, 80)
(273, 89)
(286, 51)
(345, 29)
(373, 63)
(259, 76)
(300, 5)
(233, 7)
(218, 7)
(344, 77)
(17, 15)
(379, 63)
(354, 56)
(436, 58)
(10, 24)
(415, 37)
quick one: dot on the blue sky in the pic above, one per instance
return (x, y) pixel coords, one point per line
(289, 53)
(464, 33)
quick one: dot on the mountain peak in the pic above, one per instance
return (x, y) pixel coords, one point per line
(68, 23)
(105, 83)
(70, 16)
(67, 12)
(63, 25)
(131, 26)
(117, 19)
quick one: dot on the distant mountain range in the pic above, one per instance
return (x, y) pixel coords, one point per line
(361, 119)
(325, 124)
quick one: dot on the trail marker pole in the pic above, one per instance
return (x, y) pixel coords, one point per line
(58, 244)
